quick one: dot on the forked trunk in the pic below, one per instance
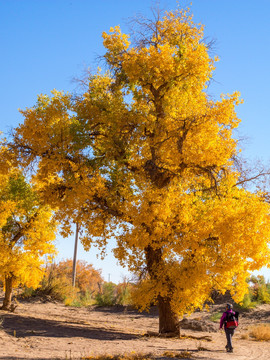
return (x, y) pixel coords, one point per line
(168, 321)
(8, 293)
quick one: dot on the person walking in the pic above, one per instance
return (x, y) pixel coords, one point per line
(229, 320)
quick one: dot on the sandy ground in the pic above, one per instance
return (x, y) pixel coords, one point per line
(38, 330)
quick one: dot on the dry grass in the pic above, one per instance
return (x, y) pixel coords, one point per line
(244, 336)
(260, 332)
(135, 356)
(178, 355)
(132, 356)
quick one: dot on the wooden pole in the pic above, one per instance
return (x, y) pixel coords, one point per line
(75, 256)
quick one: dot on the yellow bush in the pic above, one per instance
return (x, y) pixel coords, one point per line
(181, 355)
(260, 332)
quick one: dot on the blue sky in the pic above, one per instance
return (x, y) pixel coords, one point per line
(46, 44)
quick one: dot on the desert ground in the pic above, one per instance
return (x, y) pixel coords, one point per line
(49, 330)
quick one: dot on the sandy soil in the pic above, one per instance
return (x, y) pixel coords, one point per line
(38, 330)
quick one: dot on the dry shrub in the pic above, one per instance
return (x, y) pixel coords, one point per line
(178, 355)
(260, 332)
(57, 283)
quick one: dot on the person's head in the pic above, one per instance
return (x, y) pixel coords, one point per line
(229, 306)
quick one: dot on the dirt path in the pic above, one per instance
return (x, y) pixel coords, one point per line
(52, 331)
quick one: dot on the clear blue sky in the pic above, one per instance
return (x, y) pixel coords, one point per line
(45, 44)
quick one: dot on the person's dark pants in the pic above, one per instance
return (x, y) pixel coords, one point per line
(229, 334)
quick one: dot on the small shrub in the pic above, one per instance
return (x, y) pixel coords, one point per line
(169, 354)
(86, 299)
(111, 294)
(28, 292)
(177, 355)
(202, 348)
(184, 355)
(260, 332)
(263, 294)
(107, 296)
(259, 290)
(123, 293)
(80, 300)
(71, 297)
(59, 289)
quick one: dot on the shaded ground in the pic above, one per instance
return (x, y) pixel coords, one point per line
(52, 331)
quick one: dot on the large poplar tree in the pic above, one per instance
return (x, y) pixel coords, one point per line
(146, 156)
(27, 232)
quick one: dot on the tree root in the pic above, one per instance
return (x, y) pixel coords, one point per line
(10, 308)
(163, 335)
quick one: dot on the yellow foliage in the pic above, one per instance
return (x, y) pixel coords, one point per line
(88, 279)
(27, 231)
(146, 156)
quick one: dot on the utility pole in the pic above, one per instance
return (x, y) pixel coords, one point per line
(75, 255)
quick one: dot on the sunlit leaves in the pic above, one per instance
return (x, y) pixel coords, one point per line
(27, 231)
(146, 156)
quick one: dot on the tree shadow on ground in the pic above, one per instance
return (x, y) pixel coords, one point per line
(23, 358)
(129, 310)
(21, 327)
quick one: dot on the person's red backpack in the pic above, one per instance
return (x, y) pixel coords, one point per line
(232, 320)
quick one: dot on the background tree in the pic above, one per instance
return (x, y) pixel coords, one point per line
(146, 156)
(88, 279)
(27, 232)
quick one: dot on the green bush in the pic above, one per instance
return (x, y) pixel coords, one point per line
(56, 289)
(124, 293)
(111, 294)
(260, 289)
(80, 300)
(258, 293)
(28, 292)
(107, 296)
(247, 302)
(263, 295)
(216, 317)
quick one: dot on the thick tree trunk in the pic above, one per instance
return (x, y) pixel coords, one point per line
(168, 321)
(8, 293)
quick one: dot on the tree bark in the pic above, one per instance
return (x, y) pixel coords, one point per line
(168, 320)
(8, 293)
